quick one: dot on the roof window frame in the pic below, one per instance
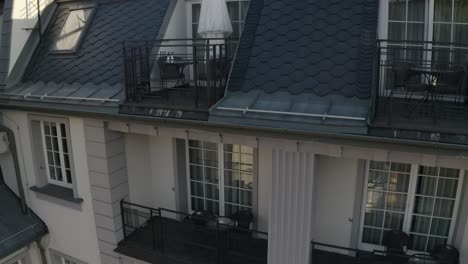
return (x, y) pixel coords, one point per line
(53, 51)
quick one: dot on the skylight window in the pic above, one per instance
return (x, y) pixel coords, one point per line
(72, 31)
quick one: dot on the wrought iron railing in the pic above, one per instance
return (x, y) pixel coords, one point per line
(167, 70)
(169, 229)
(417, 80)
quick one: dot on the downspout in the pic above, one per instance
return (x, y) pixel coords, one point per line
(41, 251)
(12, 147)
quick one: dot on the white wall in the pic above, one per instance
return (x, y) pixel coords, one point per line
(335, 182)
(72, 227)
(24, 17)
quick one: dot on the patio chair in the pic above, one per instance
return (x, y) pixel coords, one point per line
(396, 244)
(452, 81)
(404, 80)
(169, 72)
(243, 219)
(446, 254)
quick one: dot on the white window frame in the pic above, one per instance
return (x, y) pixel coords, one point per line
(221, 186)
(74, 49)
(409, 207)
(62, 154)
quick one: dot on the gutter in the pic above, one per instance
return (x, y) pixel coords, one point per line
(323, 116)
(263, 131)
(14, 153)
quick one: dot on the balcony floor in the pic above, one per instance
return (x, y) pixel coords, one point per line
(441, 117)
(187, 243)
(175, 102)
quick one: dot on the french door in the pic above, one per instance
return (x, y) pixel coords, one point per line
(419, 200)
(220, 177)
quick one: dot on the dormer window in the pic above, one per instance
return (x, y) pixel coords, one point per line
(72, 31)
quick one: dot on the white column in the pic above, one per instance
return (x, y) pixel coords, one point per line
(290, 219)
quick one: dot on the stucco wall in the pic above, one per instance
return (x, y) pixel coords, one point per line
(72, 227)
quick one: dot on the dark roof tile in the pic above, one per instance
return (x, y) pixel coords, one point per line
(321, 46)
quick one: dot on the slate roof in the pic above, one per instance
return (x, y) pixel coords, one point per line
(17, 230)
(319, 46)
(298, 59)
(96, 69)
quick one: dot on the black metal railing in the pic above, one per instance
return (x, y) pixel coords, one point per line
(420, 80)
(180, 235)
(185, 72)
(322, 253)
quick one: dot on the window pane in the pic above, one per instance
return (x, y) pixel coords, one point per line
(396, 31)
(211, 175)
(440, 227)
(400, 167)
(195, 143)
(442, 33)
(233, 9)
(443, 10)
(196, 8)
(231, 195)
(460, 34)
(378, 180)
(232, 160)
(213, 207)
(461, 11)
(374, 218)
(426, 185)
(69, 178)
(423, 205)
(420, 224)
(230, 209)
(232, 178)
(415, 32)
(72, 29)
(212, 191)
(399, 182)
(247, 181)
(210, 145)
(418, 242)
(196, 172)
(449, 173)
(425, 170)
(416, 10)
(375, 200)
(246, 198)
(372, 235)
(377, 165)
(196, 189)
(447, 188)
(394, 221)
(197, 204)
(435, 241)
(195, 156)
(396, 202)
(444, 208)
(211, 158)
(397, 10)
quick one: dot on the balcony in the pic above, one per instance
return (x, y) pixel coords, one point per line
(332, 254)
(421, 86)
(169, 237)
(176, 78)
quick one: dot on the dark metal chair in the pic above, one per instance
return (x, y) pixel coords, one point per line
(396, 244)
(446, 254)
(169, 71)
(243, 219)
